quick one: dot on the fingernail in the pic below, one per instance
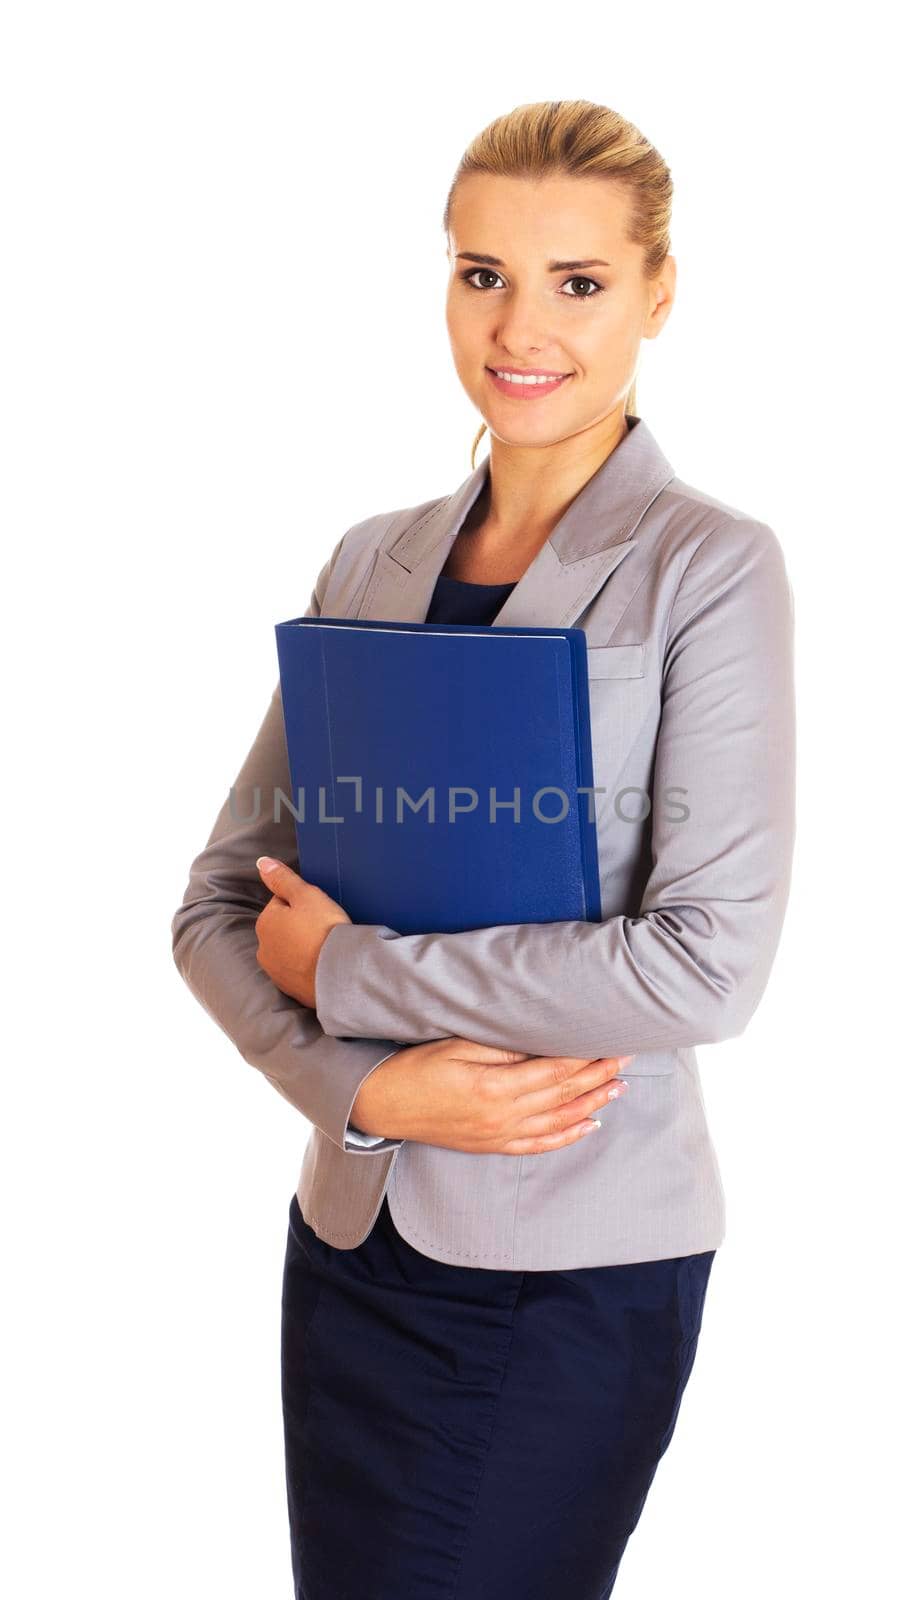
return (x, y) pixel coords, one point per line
(618, 1088)
(625, 1061)
(592, 1123)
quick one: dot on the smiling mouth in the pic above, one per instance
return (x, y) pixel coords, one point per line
(526, 385)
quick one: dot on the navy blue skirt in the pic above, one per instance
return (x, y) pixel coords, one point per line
(465, 1433)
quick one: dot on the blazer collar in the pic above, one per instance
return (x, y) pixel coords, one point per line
(592, 537)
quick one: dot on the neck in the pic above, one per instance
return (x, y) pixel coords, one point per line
(527, 491)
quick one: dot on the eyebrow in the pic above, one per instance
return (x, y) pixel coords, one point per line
(553, 266)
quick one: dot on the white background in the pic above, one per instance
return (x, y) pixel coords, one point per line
(223, 343)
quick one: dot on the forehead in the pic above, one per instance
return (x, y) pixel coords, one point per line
(546, 217)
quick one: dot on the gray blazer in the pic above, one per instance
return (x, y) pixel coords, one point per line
(688, 613)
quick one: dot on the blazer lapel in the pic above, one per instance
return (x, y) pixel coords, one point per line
(591, 539)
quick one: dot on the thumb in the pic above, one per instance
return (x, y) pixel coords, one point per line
(282, 880)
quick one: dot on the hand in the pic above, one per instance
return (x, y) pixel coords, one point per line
(291, 929)
(484, 1099)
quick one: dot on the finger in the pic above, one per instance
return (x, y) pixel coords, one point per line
(587, 1104)
(537, 1144)
(488, 1054)
(282, 880)
(547, 1074)
(555, 1095)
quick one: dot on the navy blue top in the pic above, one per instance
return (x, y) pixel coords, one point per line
(455, 600)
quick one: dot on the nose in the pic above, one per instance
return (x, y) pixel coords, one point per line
(521, 329)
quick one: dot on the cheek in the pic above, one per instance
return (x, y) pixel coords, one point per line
(606, 345)
(457, 312)
(468, 348)
(468, 313)
(462, 342)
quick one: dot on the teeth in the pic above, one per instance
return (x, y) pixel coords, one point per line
(516, 377)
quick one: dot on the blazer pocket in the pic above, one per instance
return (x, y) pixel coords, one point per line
(650, 1064)
(616, 660)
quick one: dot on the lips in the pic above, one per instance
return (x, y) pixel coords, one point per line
(529, 372)
(526, 391)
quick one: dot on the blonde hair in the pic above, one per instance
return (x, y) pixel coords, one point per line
(576, 138)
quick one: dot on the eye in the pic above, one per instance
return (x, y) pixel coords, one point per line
(474, 272)
(597, 288)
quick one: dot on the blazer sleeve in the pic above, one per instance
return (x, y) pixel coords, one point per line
(691, 966)
(214, 945)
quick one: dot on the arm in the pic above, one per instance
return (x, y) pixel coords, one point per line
(356, 1140)
(214, 944)
(691, 967)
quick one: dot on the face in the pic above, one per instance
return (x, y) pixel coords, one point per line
(562, 291)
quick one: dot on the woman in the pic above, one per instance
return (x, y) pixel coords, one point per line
(489, 1317)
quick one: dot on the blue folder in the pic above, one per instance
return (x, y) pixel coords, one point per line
(384, 719)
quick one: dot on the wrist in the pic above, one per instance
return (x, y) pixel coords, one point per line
(370, 1109)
